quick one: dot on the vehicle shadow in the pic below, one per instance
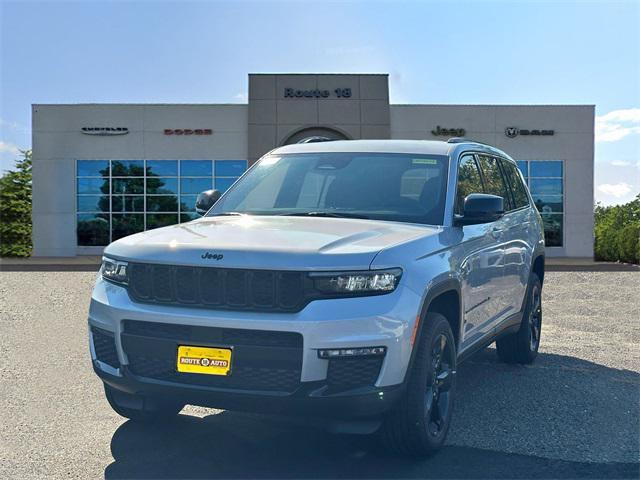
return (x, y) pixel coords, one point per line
(571, 418)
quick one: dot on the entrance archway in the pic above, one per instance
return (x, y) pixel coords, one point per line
(298, 136)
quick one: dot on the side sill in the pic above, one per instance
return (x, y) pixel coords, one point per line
(508, 326)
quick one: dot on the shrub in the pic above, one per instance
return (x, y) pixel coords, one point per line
(15, 209)
(617, 232)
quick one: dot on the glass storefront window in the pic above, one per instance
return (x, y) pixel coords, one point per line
(127, 168)
(230, 168)
(524, 168)
(195, 185)
(549, 169)
(92, 186)
(196, 168)
(548, 203)
(162, 186)
(546, 179)
(553, 229)
(162, 203)
(545, 186)
(188, 203)
(92, 203)
(115, 198)
(162, 168)
(127, 203)
(123, 224)
(93, 229)
(92, 168)
(127, 186)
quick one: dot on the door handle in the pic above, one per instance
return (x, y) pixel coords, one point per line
(496, 232)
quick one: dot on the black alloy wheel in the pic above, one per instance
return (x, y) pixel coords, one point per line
(417, 426)
(438, 398)
(535, 319)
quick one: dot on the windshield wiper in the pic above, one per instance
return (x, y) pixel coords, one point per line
(326, 214)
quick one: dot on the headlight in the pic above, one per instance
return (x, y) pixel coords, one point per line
(114, 271)
(364, 282)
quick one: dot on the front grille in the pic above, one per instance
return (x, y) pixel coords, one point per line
(262, 360)
(222, 288)
(348, 373)
(105, 347)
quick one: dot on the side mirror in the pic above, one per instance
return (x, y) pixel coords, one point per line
(481, 208)
(206, 200)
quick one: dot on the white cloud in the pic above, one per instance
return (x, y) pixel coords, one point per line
(618, 124)
(621, 163)
(241, 97)
(617, 190)
(9, 148)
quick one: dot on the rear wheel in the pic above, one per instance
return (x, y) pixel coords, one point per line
(522, 346)
(139, 408)
(418, 425)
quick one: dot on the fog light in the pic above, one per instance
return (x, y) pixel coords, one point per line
(351, 352)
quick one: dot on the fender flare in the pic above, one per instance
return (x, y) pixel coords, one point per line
(447, 285)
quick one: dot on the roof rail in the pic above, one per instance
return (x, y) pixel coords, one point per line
(465, 140)
(316, 139)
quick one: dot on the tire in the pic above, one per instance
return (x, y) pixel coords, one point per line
(141, 409)
(417, 426)
(522, 346)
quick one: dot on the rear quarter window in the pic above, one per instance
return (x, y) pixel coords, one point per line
(519, 191)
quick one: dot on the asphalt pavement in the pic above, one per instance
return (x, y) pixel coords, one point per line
(575, 413)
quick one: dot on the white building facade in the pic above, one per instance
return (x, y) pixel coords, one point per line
(104, 171)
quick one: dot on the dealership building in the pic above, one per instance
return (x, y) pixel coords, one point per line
(104, 171)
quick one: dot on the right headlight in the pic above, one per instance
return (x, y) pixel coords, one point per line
(114, 271)
(359, 282)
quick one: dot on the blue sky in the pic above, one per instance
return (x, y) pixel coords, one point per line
(200, 52)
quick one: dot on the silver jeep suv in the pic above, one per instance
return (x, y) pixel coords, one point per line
(338, 280)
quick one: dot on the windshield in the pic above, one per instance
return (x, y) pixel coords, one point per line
(379, 186)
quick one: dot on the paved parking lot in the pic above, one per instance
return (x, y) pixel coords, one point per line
(574, 413)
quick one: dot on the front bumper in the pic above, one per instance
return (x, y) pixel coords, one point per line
(311, 399)
(385, 320)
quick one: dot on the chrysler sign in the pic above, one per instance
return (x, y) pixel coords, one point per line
(104, 131)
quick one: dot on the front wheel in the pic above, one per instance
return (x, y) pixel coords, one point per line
(139, 408)
(522, 346)
(418, 425)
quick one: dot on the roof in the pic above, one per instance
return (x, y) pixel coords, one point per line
(433, 147)
(418, 147)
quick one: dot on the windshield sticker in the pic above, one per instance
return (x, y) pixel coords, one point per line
(424, 161)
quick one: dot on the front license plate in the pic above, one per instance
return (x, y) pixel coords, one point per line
(206, 360)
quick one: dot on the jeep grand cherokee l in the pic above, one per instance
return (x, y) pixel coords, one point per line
(342, 280)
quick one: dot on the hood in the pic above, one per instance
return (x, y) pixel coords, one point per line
(284, 243)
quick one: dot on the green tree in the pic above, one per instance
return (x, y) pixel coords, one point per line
(15, 209)
(617, 232)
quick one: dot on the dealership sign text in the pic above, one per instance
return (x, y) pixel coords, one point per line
(513, 132)
(188, 131)
(104, 130)
(317, 93)
(448, 132)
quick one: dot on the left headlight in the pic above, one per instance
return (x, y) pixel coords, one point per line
(114, 271)
(362, 282)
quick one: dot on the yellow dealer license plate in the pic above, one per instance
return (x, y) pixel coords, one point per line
(206, 360)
